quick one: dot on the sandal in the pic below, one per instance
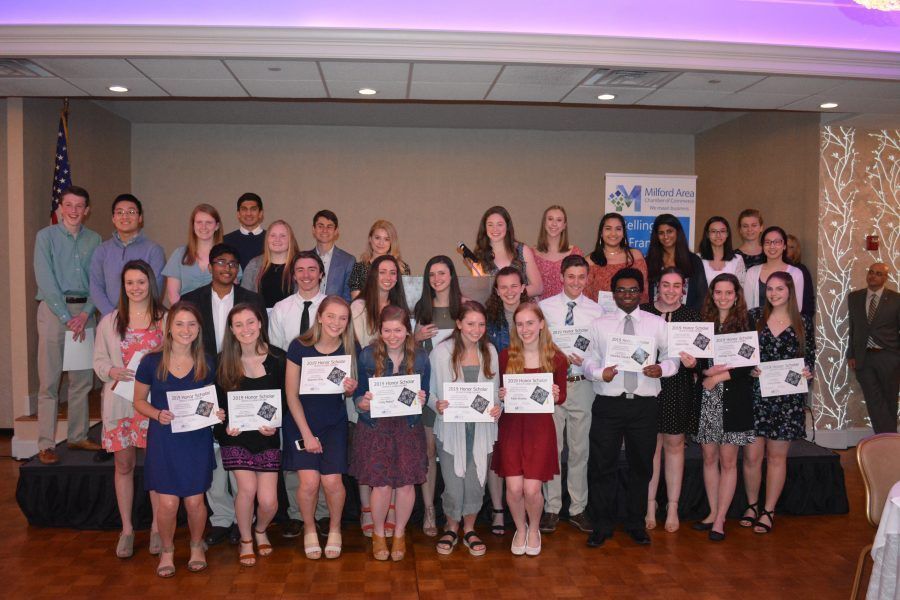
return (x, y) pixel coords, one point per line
(168, 570)
(195, 566)
(333, 545)
(498, 529)
(311, 546)
(367, 528)
(155, 543)
(474, 543)
(398, 548)
(264, 547)
(379, 547)
(125, 546)
(388, 524)
(762, 527)
(672, 523)
(447, 542)
(650, 518)
(748, 520)
(429, 522)
(248, 559)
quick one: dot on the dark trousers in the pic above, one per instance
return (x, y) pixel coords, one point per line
(614, 419)
(880, 383)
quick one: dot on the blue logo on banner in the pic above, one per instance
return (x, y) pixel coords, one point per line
(622, 198)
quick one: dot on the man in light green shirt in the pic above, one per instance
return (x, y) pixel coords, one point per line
(62, 260)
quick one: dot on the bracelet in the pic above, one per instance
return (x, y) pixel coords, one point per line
(158, 413)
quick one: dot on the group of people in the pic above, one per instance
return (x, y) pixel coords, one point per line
(247, 309)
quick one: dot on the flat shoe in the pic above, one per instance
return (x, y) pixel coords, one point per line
(447, 542)
(533, 550)
(474, 543)
(263, 547)
(155, 543)
(701, 526)
(333, 545)
(125, 546)
(249, 559)
(716, 536)
(168, 570)
(195, 566)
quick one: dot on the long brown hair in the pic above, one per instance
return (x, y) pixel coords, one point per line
(156, 309)
(348, 339)
(494, 304)
(190, 253)
(563, 237)
(287, 276)
(737, 319)
(394, 313)
(369, 296)
(230, 370)
(197, 353)
(459, 350)
(367, 256)
(483, 249)
(598, 257)
(516, 350)
(793, 311)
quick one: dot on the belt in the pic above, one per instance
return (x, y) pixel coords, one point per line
(76, 300)
(628, 396)
(574, 378)
(874, 349)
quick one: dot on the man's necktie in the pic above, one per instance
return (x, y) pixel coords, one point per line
(631, 379)
(304, 320)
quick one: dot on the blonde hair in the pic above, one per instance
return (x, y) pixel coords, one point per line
(287, 276)
(348, 339)
(546, 348)
(367, 254)
(197, 353)
(190, 253)
(564, 245)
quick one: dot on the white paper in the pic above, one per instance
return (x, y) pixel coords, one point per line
(395, 396)
(125, 389)
(697, 339)
(528, 393)
(782, 377)
(571, 339)
(469, 402)
(629, 352)
(440, 336)
(324, 374)
(193, 409)
(606, 302)
(79, 356)
(248, 411)
(737, 349)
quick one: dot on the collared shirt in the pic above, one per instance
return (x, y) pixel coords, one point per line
(107, 263)
(246, 231)
(584, 312)
(62, 263)
(284, 320)
(869, 293)
(220, 309)
(326, 262)
(645, 324)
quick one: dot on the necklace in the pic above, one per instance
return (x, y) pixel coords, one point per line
(611, 253)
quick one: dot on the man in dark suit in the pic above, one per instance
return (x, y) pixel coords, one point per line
(874, 349)
(338, 263)
(215, 300)
(250, 237)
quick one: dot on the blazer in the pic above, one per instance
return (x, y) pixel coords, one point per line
(202, 299)
(883, 328)
(338, 282)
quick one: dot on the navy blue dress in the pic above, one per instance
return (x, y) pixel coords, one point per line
(326, 415)
(179, 464)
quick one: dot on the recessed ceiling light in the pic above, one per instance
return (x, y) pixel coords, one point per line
(606, 97)
(367, 92)
(828, 105)
(119, 89)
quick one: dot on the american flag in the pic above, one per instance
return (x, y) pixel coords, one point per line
(62, 175)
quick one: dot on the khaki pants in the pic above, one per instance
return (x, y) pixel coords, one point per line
(51, 342)
(572, 418)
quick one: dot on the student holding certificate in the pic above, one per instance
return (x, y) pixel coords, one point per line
(177, 465)
(675, 409)
(319, 421)
(249, 363)
(464, 449)
(726, 406)
(135, 328)
(437, 309)
(388, 453)
(525, 452)
(784, 333)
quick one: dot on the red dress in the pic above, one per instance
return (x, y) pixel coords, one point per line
(526, 443)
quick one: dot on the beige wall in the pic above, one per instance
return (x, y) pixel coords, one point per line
(6, 404)
(765, 160)
(434, 184)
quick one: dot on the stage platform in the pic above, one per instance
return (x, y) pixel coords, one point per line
(78, 493)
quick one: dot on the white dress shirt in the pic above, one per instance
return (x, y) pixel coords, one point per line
(645, 324)
(284, 320)
(220, 309)
(246, 231)
(584, 313)
(326, 262)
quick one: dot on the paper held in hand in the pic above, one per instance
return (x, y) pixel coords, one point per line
(571, 339)
(469, 402)
(782, 378)
(606, 302)
(629, 352)
(395, 396)
(528, 393)
(737, 349)
(125, 389)
(193, 409)
(79, 356)
(248, 411)
(696, 339)
(324, 374)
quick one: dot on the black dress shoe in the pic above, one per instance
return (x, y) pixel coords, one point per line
(216, 535)
(292, 528)
(598, 538)
(234, 534)
(102, 456)
(701, 526)
(715, 536)
(639, 536)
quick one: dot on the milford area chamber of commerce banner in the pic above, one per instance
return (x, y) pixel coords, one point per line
(641, 198)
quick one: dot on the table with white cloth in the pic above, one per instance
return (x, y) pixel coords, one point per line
(883, 584)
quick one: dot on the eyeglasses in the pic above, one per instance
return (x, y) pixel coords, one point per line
(221, 262)
(773, 243)
(122, 212)
(627, 291)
